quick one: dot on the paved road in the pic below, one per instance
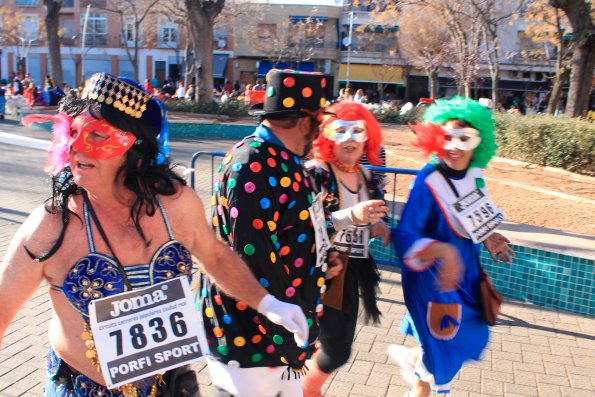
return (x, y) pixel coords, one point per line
(533, 351)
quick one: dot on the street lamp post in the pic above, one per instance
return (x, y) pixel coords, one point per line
(84, 37)
(351, 15)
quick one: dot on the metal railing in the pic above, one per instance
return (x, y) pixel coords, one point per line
(515, 280)
(204, 165)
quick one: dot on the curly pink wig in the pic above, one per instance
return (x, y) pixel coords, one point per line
(323, 148)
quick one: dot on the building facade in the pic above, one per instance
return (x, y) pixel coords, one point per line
(94, 38)
(337, 37)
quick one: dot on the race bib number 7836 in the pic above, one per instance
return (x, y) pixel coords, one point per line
(146, 331)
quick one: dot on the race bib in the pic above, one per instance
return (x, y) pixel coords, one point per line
(353, 241)
(319, 222)
(477, 214)
(146, 331)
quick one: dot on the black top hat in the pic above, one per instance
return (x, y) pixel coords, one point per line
(292, 93)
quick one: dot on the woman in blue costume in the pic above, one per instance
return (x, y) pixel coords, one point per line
(446, 218)
(119, 219)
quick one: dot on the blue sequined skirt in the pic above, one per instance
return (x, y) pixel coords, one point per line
(64, 381)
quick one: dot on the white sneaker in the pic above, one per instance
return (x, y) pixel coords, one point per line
(401, 355)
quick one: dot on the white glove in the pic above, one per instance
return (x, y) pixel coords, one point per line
(287, 315)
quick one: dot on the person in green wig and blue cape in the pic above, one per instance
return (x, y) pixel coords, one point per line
(446, 218)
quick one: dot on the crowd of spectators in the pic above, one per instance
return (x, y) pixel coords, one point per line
(222, 93)
(21, 90)
(25, 91)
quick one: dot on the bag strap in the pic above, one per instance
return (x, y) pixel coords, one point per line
(448, 181)
(456, 193)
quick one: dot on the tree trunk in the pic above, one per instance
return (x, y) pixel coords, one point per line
(204, 51)
(188, 67)
(583, 56)
(21, 66)
(52, 25)
(467, 89)
(583, 62)
(78, 68)
(495, 76)
(556, 94)
(201, 16)
(495, 88)
(492, 57)
(197, 96)
(135, 62)
(433, 79)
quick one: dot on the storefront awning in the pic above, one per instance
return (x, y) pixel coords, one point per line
(265, 66)
(219, 65)
(308, 19)
(372, 73)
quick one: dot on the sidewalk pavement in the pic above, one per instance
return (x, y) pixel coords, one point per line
(532, 352)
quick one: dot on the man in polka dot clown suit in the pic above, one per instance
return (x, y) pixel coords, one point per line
(266, 210)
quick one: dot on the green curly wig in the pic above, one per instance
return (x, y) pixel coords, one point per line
(470, 111)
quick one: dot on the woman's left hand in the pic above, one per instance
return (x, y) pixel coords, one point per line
(380, 229)
(497, 246)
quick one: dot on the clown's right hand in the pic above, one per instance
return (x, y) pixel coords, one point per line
(450, 269)
(369, 211)
(287, 315)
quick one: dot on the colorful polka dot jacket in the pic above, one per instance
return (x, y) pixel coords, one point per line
(261, 200)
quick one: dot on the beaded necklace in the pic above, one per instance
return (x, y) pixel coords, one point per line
(351, 169)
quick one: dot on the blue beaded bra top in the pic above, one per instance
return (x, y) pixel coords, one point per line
(98, 275)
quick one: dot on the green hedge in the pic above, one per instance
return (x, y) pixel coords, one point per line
(548, 141)
(544, 140)
(230, 108)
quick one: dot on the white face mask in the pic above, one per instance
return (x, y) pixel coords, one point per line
(341, 131)
(461, 138)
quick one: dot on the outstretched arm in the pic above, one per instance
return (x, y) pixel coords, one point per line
(20, 276)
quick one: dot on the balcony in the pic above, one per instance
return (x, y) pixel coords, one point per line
(370, 48)
(131, 43)
(374, 57)
(368, 6)
(95, 41)
(314, 43)
(168, 44)
(94, 3)
(27, 3)
(359, 18)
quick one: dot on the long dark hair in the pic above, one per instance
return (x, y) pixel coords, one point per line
(143, 174)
